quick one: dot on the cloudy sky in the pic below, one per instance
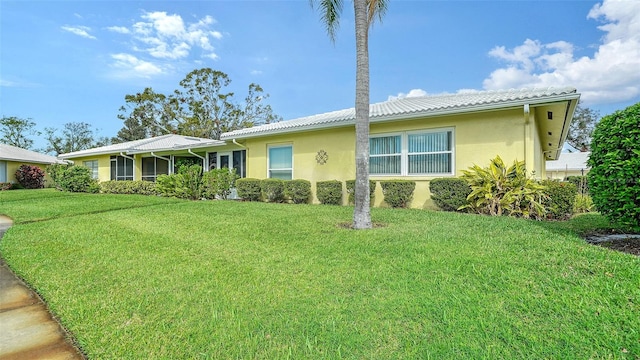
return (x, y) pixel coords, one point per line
(64, 61)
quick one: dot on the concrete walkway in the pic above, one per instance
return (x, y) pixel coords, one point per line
(27, 329)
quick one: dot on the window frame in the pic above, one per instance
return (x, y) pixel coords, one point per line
(154, 177)
(94, 171)
(404, 152)
(114, 159)
(269, 169)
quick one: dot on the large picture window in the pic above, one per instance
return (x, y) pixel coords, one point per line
(152, 167)
(121, 168)
(280, 162)
(93, 166)
(412, 153)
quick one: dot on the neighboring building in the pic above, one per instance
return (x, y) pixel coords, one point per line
(418, 138)
(568, 164)
(12, 157)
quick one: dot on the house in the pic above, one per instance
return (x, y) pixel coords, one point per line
(568, 164)
(11, 158)
(419, 138)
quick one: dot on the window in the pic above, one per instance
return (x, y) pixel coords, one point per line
(280, 162)
(121, 168)
(412, 153)
(3, 171)
(240, 162)
(93, 166)
(152, 167)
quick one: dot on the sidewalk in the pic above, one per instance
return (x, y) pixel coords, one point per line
(27, 329)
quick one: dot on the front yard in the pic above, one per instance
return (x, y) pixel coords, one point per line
(148, 277)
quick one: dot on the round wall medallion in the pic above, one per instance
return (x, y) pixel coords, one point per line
(322, 157)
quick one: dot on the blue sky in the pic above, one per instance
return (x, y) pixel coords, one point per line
(72, 61)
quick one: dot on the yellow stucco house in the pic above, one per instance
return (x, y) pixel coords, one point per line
(419, 138)
(11, 158)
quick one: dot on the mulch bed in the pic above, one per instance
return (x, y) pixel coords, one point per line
(631, 246)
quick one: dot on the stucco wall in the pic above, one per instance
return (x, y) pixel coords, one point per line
(13, 166)
(104, 165)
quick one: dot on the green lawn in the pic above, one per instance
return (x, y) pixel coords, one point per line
(146, 277)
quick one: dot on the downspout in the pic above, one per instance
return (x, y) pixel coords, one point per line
(134, 162)
(237, 143)
(198, 156)
(526, 135)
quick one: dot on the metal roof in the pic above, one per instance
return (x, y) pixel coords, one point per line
(569, 161)
(413, 107)
(12, 153)
(159, 143)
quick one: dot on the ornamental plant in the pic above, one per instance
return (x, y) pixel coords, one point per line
(272, 190)
(77, 178)
(329, 192)
(30, 177)
(614, 178)
(398, 193)
(217, 183)
(249, 189)
(299, 191)
(449, 194)
(500, 190)
(351, 191)
(560, 199)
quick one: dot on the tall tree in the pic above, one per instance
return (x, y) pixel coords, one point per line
(15, 131)
(254, 111)
(581, 128)
(365, 13)
(75, 136)
(146, 114)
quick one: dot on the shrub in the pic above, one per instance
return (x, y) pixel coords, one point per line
(186, 184)
(30, 176)
(272, 190)
(398, 193)
(217, 183)
(449, 194)
(77, 178)
(615, 167)
(501, 190)
(351, 191)
(56, 171)
(139, 187)
(329, 192)
(249, 189)
(560, 199)
(299, 191)
(6, 186)
(580, 182)
(583, 204)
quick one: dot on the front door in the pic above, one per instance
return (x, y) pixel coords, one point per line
(224, 160)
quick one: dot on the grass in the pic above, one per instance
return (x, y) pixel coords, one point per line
(216, 279)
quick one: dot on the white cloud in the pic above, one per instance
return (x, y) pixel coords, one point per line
(256, 72)
(410, 94)
(611, 74)
(212, 56)
(119, 29)
(79, 30)
(127, 65)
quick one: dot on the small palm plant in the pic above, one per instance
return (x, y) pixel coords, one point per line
(500, 190)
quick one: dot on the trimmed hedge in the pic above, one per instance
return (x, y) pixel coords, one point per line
(581, 183)
(329, 192)
(449, 194)
(129, 187)
(560, 199)
(249, 189)
(30, 176)
(272, 190)
(351, 191)
(76, 178)
(217, 183)
(299, 191)
(398, 193)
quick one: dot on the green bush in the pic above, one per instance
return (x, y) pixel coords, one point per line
(217, 183)
(30, 176)
(351, 191)
(186, 184)
(449, 194)
(614, 178)
(272, 190)
(55, 172)
(398, 193)
(583, 204)
(77, 178)
(329, 192)
(249, 189)
(128, 187)
(581, 183)
(299, 191)
(501, 190)
(560, 199)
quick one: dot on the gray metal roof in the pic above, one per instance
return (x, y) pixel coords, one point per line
(414, 107)
(12, 153)
(159, 143)
(569, 161)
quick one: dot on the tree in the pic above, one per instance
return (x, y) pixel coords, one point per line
(365, 13)
(75, 136)
(255, 112)
(581, 128)
(614, 178)
(146, 114)
(15, 130)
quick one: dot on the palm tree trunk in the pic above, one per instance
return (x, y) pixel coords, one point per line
(362, 212)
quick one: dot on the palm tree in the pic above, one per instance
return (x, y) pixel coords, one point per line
(365, 13)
